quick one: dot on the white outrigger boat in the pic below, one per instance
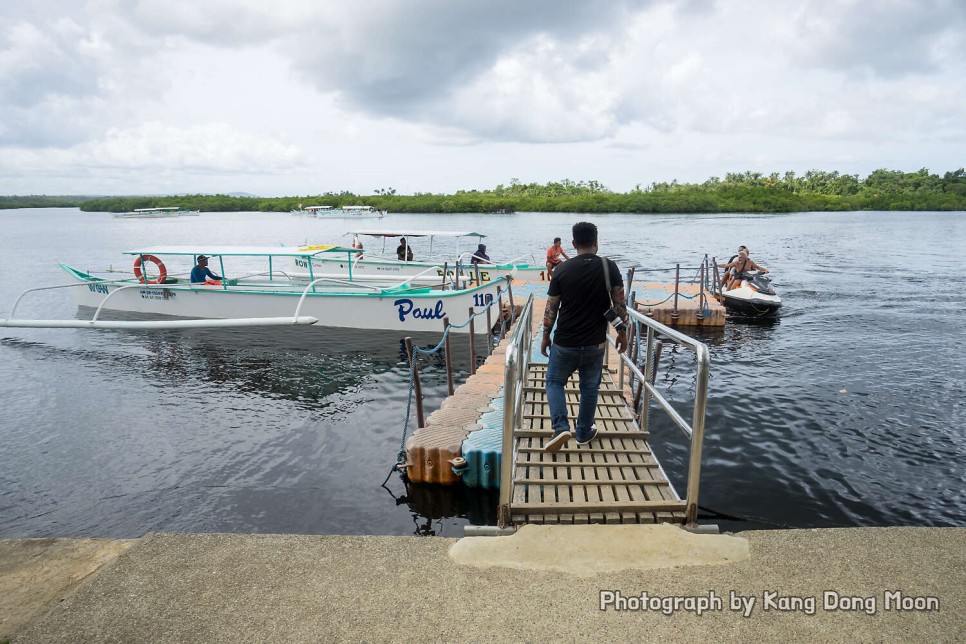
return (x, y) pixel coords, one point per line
(368, 265)
(311, 211)
(260, 291)
(156, 213)
(342, 212)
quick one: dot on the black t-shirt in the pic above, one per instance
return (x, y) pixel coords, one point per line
(584, 299)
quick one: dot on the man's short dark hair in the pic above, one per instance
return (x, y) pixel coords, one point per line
(556, 240)
(585, 234)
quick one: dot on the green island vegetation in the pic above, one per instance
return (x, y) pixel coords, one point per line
(750, 192)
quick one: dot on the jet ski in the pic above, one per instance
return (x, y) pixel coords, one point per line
(754, 296)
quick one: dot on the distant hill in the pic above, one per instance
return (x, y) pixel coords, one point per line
(242, 194)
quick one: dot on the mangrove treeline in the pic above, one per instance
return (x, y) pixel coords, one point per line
(751, 192)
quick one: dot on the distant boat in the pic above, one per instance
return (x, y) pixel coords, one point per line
(311, 211)
(155, 213)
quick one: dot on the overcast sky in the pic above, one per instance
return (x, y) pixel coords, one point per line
(295, 97)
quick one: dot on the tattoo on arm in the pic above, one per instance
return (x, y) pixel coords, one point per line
(550, 313)
(617, 297)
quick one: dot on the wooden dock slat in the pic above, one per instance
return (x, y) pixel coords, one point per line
(567, 450)
(547, 433)
(610, 507)
(569, 390)
(624, 483)
(558, 464)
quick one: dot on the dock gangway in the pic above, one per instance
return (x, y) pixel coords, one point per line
(616, 478)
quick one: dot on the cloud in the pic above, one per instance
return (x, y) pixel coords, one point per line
(887, 39)
(215, 147)
(204, 87)
(211, 148)
(393, 59)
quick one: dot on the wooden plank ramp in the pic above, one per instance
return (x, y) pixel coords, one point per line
(614, 479)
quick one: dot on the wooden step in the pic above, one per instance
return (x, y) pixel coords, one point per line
(611, 506)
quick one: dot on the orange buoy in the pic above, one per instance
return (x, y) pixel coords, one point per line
(162, 271)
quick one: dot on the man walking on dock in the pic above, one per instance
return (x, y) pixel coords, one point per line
(582, 293)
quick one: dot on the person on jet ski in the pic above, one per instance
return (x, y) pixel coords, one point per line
(738, 269)
(726, 275)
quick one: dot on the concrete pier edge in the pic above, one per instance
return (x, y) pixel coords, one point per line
(218, 587)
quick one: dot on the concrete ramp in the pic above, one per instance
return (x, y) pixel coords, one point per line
(585, 550)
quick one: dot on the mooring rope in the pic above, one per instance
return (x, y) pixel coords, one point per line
(401, 454)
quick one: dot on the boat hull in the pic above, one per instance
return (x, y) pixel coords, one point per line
(751, 305)
(415, 310)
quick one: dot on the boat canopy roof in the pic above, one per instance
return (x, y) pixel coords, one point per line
(416, 233)
(241, 251)
(159, 209)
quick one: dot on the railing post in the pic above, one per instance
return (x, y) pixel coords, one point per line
(445, 270)
(509, 290)
(716, 278)
(506, 455)
(697, 434)
(648, 368)
(499, 304)
(472, 343)
(489, 328)
(478, 282)
(448, 358)
(702, 303)
(630, 333)
(677, 282)
(417, 388)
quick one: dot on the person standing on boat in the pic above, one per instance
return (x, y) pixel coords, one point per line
(200, 273)
(480, 256)
(403, 252)
(578, 292)
(553, 256)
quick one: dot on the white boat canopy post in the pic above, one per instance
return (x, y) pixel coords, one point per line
(432, 234)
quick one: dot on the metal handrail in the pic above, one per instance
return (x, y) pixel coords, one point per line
(694, 431)
(517, 367)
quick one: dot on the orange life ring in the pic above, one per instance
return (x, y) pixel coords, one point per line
(162, 271)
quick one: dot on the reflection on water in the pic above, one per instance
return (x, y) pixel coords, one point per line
(847, 410)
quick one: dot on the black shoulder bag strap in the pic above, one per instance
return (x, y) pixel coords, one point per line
(610, 301)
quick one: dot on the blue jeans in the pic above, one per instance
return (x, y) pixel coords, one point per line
(588, 362)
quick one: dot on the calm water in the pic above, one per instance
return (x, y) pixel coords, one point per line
(849, 411)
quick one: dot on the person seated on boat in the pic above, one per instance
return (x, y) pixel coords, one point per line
(480, 256)
(357, 243)
(403, 252)
(726, 275)
(553, 256)
(738, 269)
(201, 273)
